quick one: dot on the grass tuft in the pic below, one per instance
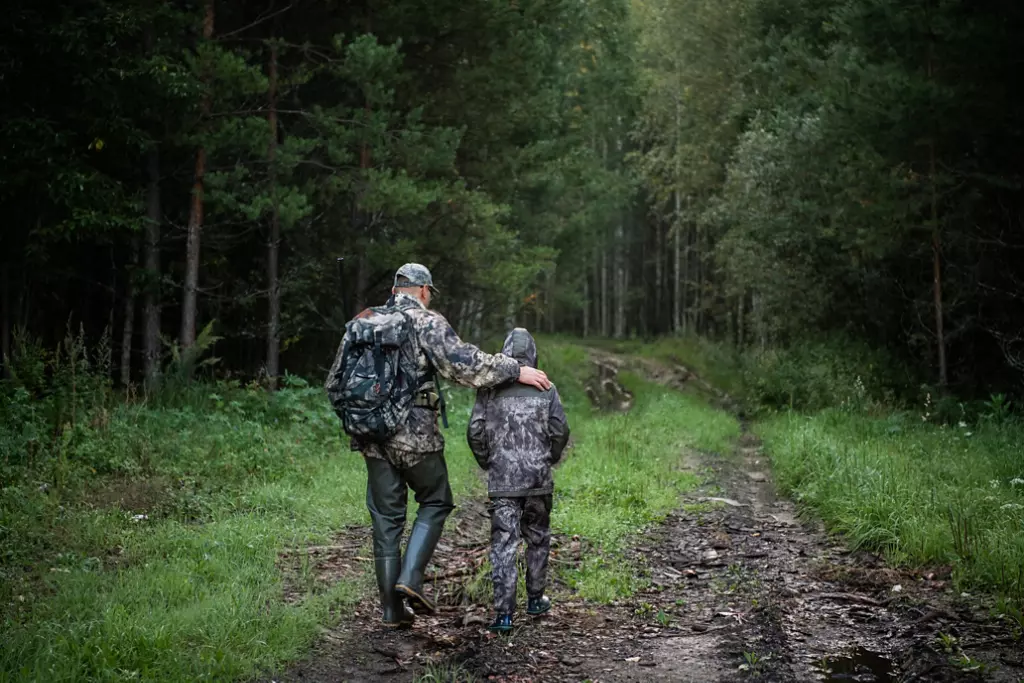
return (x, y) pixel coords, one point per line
(921, 494)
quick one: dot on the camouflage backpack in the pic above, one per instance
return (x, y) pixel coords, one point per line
(374, 378)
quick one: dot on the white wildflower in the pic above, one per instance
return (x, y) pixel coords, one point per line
(994, 483)
(1016, 481)
(1012, 506)
(139, 518)
(962, 424)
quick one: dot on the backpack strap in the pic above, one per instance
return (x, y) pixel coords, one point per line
(433, 377)
(378, 357)
(440, 399)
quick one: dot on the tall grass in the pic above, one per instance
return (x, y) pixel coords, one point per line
(922, 494)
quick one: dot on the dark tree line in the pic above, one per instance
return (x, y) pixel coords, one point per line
(762, 172)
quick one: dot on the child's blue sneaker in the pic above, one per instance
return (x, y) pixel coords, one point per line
(502, 624)
(538, 605)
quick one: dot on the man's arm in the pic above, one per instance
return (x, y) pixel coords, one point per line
(558, 426)
(476, 435)
(467, 365)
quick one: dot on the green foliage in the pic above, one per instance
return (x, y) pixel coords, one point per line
(821, 158)
(835, 374)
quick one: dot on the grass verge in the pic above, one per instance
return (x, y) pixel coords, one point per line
(149, 551)
(920, 493)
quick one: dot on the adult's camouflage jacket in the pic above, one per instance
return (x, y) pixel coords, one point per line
(440, 349)
(516, 432)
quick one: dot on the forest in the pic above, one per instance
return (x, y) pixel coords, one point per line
(814, 207)
(764, 173)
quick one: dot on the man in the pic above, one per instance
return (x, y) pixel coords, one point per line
(413, 457)
(517, 433)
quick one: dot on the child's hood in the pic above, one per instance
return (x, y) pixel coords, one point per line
(519, 344)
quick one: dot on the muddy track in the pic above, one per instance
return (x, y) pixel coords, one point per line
(740, 589)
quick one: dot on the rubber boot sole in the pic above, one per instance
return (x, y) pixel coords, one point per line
(401, 624)
(539, 613)
(418, 602)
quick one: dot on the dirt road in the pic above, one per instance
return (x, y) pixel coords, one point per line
(740, 589)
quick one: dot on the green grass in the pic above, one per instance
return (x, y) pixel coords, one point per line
(192, 591)
(182, 582)
(920, 493)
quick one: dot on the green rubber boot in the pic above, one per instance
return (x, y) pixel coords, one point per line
(392, 605)
(429, 482)
(418, 552)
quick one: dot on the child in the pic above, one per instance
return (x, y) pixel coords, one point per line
(517, 433)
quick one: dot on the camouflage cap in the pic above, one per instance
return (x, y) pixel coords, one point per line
(414, 275)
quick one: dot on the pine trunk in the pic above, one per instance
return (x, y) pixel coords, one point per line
(362, 283)
(550, 296)
(940, 336)
(622, 304)
(605, 329)
(586, 305)
(5, 320)
(677, 274)
(698, 295)
(274, 244)
(151, 264)
(195, 214)
(657, 317)
(128, 332)
(620, 281)
(739, 321)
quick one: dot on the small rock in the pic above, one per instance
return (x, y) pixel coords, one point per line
(711, 555)
(471, 619)
(757, 476)
(570, 661)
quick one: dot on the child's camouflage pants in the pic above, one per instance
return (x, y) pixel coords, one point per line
(530, 516)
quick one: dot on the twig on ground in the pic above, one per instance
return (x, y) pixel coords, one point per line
(863, 599)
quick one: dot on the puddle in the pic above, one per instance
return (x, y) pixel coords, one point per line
(859, 665)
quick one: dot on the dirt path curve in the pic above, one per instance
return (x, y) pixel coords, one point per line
(740, 589)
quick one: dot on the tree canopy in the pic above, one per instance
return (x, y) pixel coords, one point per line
(761, 172)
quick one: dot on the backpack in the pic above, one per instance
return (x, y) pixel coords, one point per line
(374, 378)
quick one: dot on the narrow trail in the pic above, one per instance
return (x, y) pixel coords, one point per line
(740, 589)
